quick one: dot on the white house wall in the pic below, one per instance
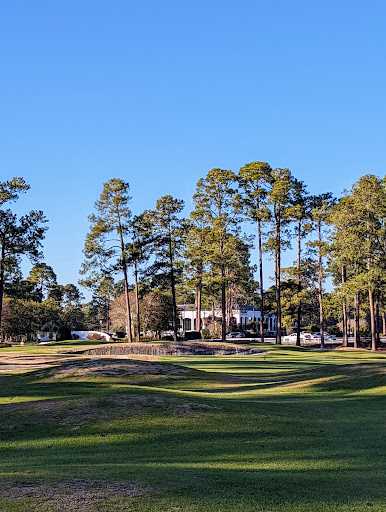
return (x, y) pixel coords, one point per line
(242, 318)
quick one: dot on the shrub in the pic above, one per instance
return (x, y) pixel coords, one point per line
(64, 333)
(335, 331)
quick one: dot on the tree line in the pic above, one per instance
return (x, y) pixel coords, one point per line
(206, 258)
(160, 258)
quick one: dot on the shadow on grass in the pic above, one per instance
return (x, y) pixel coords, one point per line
(268, 455)
(321, 449)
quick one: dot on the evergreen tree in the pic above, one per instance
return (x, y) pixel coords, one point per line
(300, 213)
(214, 207)
(321, 208)
(169, 232)
(138, 249)
(360, 247)
(255, 181)
(19, 237)
(43, 278)
(279, 200)
(196, 261)
(106, 243)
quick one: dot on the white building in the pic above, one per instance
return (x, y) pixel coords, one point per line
(242, 315)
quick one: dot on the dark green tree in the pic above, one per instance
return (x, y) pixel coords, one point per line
(106, 243)
(139, 251)
(214, 206)
(301, 215)
(169, 233)
(255, 182)
(279, 200)
(43, 278)
(320, 210)
(19, 237)
(196, 265)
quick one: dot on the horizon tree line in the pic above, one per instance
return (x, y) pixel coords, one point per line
(207, 256)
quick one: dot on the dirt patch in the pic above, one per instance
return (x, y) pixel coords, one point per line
(74, 495)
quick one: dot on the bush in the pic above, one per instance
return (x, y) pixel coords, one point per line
(192, 335)
(64, 333)
(335, 331)
(252, 334)
(5, 344)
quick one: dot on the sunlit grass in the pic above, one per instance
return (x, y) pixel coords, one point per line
(301, 431)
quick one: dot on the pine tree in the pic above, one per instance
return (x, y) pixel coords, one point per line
(19, 237)
(196, 261)
(169, 232)
(43, 278)
(255, 181)
(279, 200)
(214, 207)
(300, 213)
(321, 207)
(106, 243)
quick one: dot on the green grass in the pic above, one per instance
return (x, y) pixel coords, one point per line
(303, 430)
(55, 347)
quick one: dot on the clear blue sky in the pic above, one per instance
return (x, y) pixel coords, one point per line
(158, 93)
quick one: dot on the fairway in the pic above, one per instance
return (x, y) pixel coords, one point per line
(299, 430)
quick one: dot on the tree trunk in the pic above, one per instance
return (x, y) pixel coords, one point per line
(277, 280)
(320, 286)
(223, 305)
(299, 287)
(261, 282)
(344, 310)
(356, 320)
(372, 320)
(383, 323)
(108, 315)
(198, 304)
(229, 310)
(128, 312)
(173, 287)
(377, 320)
(126, 283)
(371, 306)
(2, 279)
(137, 301)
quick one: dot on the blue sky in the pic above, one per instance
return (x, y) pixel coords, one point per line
(159, 93)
